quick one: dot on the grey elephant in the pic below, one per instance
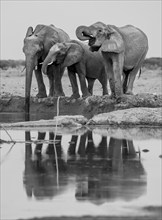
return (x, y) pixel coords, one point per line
(79, 59)
(37, 44)
(123, 49)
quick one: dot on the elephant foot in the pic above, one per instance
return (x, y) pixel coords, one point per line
(73, 98)
(105, 93)
(129, 93)
(86, 95)
(41, 95)
(56, 95)
(116, 98)
(112, 96)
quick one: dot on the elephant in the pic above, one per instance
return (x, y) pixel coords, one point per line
(124, 50)
(77, 57)
(37, 44)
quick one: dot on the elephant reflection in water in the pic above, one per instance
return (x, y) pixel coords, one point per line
(103, 172)
(116, 173)
(40, 175)
(40, 169)
(87, 149)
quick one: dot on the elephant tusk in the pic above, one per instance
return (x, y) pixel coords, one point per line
(91, 36)
(44, 73)
(87, 35)
(23, 69)
(50, 63)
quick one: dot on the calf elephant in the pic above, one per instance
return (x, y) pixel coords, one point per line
(79, 59)
(37, 44)
(123, 49)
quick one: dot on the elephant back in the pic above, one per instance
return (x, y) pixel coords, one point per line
(130, 33)
(83, 45)
(63, 36)
(50, 33)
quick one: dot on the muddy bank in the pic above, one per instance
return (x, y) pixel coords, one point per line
(129, 117)
(137, 123)
(88, 107)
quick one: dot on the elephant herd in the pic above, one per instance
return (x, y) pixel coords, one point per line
(110, 169)
(113, 54)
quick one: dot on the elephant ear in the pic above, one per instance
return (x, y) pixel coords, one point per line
(29, 32)
(74, 54)
(113, 42)
(38, 28)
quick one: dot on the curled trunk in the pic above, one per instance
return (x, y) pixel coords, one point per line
(83, 33)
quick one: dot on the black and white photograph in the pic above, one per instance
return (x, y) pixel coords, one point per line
(81, 110)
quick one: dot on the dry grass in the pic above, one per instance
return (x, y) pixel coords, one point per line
(13, 82)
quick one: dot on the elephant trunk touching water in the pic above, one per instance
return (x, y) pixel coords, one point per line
(37, 44)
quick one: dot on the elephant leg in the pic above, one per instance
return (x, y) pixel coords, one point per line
(125, 81)
(38, 148)
(90, 149)
(74, 85)
(41, 87)
(115, 154)
(82, 73)
(51, 82)
(133, 73)
(82, 146)
(132, 76)
(125, 150)
(111, 83)
(109, 72)
(103, 81)
(83, 84)
(118, 61)
(90, 85)
(132, 152)
(72, 146)
(58, 73)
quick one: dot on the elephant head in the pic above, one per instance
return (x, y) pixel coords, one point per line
(104, 37)
(65, 54)
(33, 46)
(37, 44)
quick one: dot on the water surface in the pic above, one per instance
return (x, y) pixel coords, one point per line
(49, 174)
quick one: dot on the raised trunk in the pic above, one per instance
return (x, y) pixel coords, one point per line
(83, 33)
(30, 64)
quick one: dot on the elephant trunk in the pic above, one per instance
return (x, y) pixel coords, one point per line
(48, 60)
(30, 65)
(83, 33)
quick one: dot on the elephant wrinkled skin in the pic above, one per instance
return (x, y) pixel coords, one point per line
(123, 49)
(77, 57)
(37, 44)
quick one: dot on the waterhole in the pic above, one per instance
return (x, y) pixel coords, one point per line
(90, 173)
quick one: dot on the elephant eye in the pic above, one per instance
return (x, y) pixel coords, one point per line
(108, 36)
(99, 30)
